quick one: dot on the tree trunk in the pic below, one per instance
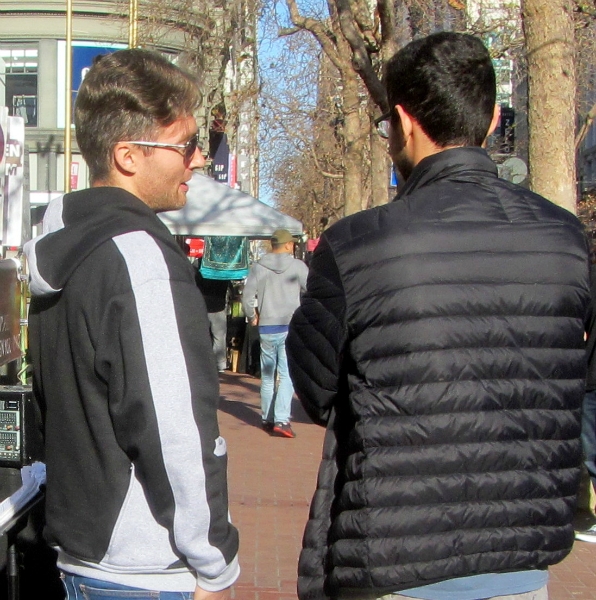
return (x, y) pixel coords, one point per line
(548, 26)
(354, 150)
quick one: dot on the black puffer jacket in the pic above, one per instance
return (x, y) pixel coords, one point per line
(591, 331)
(444, 332)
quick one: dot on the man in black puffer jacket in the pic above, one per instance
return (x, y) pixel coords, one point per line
(441, 341)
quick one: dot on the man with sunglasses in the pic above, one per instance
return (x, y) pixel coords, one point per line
(441, 341)
(136, 501)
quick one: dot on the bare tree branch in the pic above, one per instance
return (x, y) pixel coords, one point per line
(321, 170)
(322, 34)
(360, 56)
(388, 29)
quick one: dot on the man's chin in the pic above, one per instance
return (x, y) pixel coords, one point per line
(181, 203)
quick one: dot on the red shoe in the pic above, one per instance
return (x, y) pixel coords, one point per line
(283, 430)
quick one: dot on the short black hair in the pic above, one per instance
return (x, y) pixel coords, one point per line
(446, 81)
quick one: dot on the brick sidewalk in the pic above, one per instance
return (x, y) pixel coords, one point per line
(271, 483)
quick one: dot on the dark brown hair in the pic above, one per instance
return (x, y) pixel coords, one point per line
(128, 95)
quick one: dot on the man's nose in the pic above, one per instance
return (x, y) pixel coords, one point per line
(198, 160)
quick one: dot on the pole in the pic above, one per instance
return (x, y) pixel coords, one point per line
(132, 24)
(24, 319)
(68, 98)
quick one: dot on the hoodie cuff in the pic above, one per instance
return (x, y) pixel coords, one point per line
(223, 581)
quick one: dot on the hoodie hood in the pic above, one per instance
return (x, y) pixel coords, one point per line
(76, 224)
(278, 263)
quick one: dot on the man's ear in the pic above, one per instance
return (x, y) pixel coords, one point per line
(406, 121)
(126, 157)
(495, 120)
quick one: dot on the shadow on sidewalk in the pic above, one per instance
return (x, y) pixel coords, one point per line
(241, 410)
(250, 412)
(249, 382)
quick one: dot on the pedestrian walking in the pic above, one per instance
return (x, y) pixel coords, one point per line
(216, 292)
(271, 295)
(441, 341)
(136, 499)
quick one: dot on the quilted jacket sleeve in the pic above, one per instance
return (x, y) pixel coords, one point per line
(590, 325)
(315, 343)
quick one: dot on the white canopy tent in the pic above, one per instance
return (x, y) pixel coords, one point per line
(213, 208)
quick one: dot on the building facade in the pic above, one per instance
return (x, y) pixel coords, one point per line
(33, 79)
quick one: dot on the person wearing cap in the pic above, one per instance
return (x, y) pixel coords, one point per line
(271, 295)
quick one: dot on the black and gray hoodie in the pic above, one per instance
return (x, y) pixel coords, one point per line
(119, 337)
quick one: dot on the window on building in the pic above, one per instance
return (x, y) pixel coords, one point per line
(21, 63)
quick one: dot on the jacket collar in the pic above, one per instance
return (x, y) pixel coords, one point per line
(460, 161)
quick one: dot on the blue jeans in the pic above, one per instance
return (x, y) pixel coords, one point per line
(541, 594)
(275, 404)
(85, 588)
(589, 434)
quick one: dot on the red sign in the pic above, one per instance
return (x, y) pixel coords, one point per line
(74, 175)
(196, 247)
(232, 171)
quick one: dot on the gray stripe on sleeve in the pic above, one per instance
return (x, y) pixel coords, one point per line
(170, 389)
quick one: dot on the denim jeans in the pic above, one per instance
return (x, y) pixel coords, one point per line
(589, 434)
(85, 588)
(275, 404)
(541, 594)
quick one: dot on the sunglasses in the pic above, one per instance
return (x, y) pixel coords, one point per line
(188, 149)
(382, 125)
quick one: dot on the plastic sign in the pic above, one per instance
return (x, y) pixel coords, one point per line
(16, 213)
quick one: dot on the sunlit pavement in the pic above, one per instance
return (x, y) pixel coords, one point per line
(271, 482)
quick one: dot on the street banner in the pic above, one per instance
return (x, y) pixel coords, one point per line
(3, 139)
(221, 156)
(83, 55)
(16, 214)
(232, 171)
